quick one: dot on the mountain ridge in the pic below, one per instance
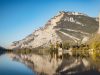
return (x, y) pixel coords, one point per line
(65, 26)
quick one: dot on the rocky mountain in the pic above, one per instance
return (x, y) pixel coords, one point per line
(65, 26)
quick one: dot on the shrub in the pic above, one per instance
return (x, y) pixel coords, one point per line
(94, 42)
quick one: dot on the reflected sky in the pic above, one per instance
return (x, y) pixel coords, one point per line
(10, 67)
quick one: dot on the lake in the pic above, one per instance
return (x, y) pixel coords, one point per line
(48, 64)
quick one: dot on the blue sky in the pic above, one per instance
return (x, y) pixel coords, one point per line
(19, 18)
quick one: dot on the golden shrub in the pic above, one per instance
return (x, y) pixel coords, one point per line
(94, 42)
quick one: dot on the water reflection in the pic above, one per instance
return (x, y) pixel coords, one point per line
(53, 64)
(10, 67)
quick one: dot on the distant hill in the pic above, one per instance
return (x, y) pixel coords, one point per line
(65, 26)
(2, 50)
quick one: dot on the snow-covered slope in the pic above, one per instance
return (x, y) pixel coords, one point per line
(65, 26)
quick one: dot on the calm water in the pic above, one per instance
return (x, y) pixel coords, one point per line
(11, 67)
(35, 64)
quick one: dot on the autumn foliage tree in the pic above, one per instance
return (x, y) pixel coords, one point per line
(94, 42)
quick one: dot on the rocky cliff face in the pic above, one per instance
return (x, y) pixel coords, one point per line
(65, 26)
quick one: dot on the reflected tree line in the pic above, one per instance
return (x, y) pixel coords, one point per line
(59, 49)
(89, 49)
(4, 50)
(82, 49)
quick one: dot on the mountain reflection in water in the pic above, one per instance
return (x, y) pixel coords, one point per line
(52, 65)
